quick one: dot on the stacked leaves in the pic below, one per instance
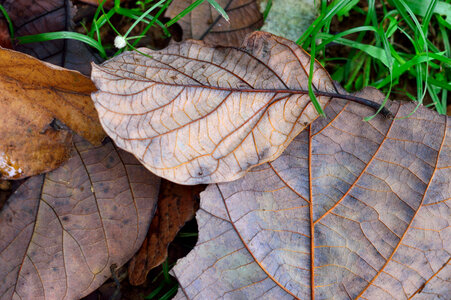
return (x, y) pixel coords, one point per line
(351, 208)
(296, 208)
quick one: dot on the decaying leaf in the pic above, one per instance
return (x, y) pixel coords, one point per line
(5, 38)
(193, 113)
(205, 23)
(61, 232)
(41, 16)
(34, 94)
(351, 210)
(177, 205)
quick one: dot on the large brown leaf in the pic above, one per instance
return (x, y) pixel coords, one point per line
(61, 232)
(205, 23)
(39, 16)
(193, 113)
(177, 205)
(351, 210)
(33, 94)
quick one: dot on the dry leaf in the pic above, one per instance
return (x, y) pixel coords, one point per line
(176, 206)
(41, 16)
(107, 4)
(5, 38)
(33, 94)
(205, 23)
(61, 232)
(351, 210)
(193, 113)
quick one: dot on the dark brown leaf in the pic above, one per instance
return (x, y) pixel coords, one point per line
(61, 232)
(5, 38)
(351, 210)
(39, 16)
(106, 4)
(194, 113)
(33, 95)
(205, 23)
(176, 206)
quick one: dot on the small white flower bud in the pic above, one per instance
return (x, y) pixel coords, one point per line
(119, 42)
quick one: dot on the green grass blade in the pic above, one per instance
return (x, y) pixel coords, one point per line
(8, 20)
(157, 15)
(184, 12)
(267, 10)
(142, 17)
(155, 292)
(311, 93)
(219, 9)
(170, 293)
(49, 36)
(331, 11)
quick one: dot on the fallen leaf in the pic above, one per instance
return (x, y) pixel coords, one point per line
(42, 16)
(62, 231)
(205, 23)
(5, 191)
(193, 113)
(35, 93)
(5, 38)
(351, 210)
(177, 205)
(107, 4)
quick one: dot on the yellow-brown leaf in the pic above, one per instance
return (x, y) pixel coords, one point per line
(33, 94)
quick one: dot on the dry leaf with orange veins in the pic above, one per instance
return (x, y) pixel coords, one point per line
(194, 113)
(34, 94)
(350, 210)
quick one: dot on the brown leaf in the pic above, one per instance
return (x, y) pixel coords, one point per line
(33, 94)
(106, 4)
(176, 206)
(5, 38)
(351, 210)
(193, 113)
(61, 232)
(205, 23)
(41, 16)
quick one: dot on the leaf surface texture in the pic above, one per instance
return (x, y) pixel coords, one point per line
(61, 232)
(193, 113)
(351, 210)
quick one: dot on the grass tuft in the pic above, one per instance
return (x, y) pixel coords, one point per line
(393, 48)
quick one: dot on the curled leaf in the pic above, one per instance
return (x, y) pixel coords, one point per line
(206, 23)
(33, 95)
(351, 210)
(193, 113)
(61, 232)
